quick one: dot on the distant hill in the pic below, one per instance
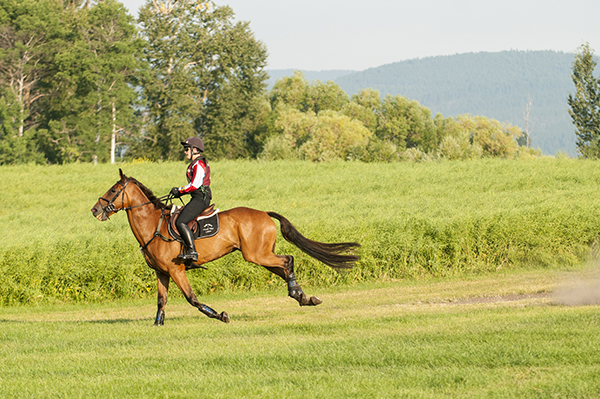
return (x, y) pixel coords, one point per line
(497, 85)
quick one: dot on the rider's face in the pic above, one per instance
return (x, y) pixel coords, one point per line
(188, 152)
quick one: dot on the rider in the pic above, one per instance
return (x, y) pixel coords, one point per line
(198, 176)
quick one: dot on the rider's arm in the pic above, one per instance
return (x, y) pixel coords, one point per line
(197, 179)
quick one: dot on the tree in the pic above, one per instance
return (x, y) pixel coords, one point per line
(296, 92)
(585, 104)
(495, 139)
(406, 124)
(15, 149)
(94, 83)
(335, 136)
(206, 78)
(30, 34)
(327, 96)
(456, 141)
(291, 91)
(318, 137)
(364, 107)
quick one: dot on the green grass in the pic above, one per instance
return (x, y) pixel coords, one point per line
(414, 220)
(410, 339)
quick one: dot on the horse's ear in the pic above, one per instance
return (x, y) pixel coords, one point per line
(121, 174)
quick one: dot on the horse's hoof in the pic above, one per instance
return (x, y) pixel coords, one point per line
(314, 301)
(224, 317)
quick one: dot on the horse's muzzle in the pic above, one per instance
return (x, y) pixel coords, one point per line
(99, 213)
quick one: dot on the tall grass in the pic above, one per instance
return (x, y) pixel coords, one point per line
(412, 219)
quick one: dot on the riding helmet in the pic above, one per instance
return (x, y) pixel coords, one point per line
(195, 142)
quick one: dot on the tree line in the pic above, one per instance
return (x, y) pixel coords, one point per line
(82, 82)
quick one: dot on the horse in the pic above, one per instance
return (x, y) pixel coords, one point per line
(251, 231)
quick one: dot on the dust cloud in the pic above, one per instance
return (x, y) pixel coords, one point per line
(582, 289)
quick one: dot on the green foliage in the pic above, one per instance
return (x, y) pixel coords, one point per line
(67, 72)
(206, 79)
(326, 136)
(495, 139)
(291, 92)
(585, 104)
(412, 219)
(32, 33)
(95, 76)
(396, 128)
(16, 150)
(364, 107)
(297, 93)
(406, 124)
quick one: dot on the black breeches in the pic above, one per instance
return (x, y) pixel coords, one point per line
(191, 211)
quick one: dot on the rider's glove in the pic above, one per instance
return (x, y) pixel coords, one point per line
(175, 192)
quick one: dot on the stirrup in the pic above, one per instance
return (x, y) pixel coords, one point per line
(193, 256)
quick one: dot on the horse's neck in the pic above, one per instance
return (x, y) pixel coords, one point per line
(143, 217)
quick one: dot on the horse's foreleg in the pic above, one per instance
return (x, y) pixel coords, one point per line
(184, 285)
(163, 288)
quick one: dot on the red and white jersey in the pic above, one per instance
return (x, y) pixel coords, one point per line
(198, 174)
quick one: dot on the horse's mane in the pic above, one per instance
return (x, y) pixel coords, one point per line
(158, 204)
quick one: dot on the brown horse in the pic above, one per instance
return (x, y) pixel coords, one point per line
(248, 230)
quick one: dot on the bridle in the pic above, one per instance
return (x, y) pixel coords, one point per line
(110, 208)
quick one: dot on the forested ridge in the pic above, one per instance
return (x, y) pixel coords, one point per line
(497, 85)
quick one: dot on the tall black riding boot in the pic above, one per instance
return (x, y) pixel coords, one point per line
(189, 252)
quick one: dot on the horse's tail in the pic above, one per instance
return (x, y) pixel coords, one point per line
(330, 254)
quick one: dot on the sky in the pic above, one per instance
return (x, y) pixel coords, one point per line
(319, 35)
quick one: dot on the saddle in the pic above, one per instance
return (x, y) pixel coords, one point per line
(204, 226)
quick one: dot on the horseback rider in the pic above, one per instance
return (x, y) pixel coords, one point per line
(198, 177)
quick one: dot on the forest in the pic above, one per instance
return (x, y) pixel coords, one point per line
(88, 83)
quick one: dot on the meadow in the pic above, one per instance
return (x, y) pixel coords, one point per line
(414, 220)
(476, 279)
(500, 336)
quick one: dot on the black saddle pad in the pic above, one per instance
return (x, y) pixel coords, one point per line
(208, 227)
(205, 228)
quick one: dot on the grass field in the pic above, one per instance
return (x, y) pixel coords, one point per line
(501, 336)
(413, 221)
(469, 285)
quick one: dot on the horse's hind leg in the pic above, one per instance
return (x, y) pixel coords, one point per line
(183, 283)
(294, 290)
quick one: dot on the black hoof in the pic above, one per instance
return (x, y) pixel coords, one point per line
(303, 300)
(314, 301)
(224, 317)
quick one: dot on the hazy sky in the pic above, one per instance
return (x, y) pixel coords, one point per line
(357, 35)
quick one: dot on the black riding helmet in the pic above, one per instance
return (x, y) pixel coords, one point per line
(194, 142)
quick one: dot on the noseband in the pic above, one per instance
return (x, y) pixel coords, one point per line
(110, 206)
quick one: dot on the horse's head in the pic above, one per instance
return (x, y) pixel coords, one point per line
(105, 206)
